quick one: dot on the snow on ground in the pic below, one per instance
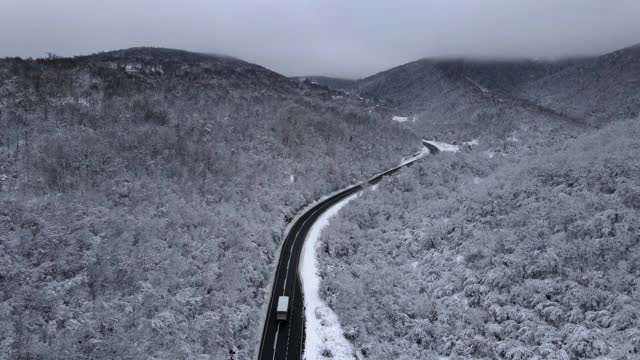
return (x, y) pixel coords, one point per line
(323, 331)
(444, 146)
(419, 155)
(400, 118)
(472, 142)
(490, 154)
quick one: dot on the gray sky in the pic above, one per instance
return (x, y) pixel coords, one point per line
(349, 38)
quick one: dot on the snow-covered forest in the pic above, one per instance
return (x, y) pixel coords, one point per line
(143, 196)
(535, 255)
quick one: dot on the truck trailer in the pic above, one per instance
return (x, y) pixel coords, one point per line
(283, 308)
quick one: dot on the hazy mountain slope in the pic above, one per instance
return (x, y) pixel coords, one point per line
(502, 76)
(143, 194)
(458, 100)
(600, 89)
(581, 91)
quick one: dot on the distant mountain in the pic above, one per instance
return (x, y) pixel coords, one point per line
(471, 98)
(599, 89)
(464, 99)
(331, 83)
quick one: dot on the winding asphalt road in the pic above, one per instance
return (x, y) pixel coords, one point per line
(285, 340)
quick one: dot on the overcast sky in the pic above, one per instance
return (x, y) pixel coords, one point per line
(348, 38)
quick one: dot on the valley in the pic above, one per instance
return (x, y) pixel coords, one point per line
(149, 198)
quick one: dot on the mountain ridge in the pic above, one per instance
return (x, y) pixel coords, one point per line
(562, 96)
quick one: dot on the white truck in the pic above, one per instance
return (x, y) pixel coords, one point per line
(283, 308)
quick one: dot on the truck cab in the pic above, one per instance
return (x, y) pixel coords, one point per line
(283, 308)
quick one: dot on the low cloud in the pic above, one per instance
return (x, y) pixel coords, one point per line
(331, 37)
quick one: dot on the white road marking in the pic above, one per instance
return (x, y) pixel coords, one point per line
(286, 353)
(275, 343)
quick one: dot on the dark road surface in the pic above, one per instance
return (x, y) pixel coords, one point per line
(285, 340)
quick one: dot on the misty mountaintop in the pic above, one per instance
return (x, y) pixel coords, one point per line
(146, 67)
(598, 90)
(460, 99)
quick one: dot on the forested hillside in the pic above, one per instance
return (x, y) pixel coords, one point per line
(458, 99)
(143, 194)
(533, 254)
(446, 99)
(599, 90)
(462, 256)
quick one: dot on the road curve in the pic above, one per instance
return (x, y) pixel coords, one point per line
(285, 340)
